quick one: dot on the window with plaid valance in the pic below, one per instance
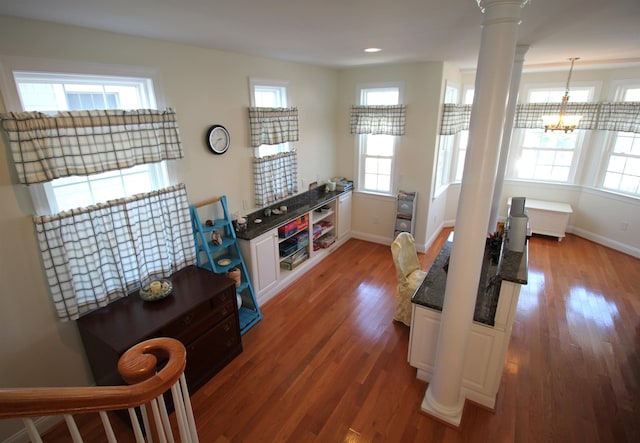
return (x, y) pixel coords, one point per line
(47, 147)
(619, 116)
(271, 126)
(96, 254)
(378, 119)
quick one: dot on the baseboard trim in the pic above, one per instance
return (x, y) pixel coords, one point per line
(605, 241)
(372, 238)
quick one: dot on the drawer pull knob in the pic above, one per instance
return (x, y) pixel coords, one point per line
(227, 327)
(187, 320)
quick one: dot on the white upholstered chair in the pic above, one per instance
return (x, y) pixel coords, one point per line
(409, 274)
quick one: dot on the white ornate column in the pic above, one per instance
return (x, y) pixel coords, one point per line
(444, 398)
(516, 75)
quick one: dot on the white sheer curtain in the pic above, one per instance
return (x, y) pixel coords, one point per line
(275, 177)
(97, 254)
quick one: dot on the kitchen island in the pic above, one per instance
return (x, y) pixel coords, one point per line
(503, 272)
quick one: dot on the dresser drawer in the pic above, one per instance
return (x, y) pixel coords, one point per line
(213, 350)
(198, 320)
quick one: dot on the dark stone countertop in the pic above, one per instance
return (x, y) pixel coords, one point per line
(296, 206)
(497, 265)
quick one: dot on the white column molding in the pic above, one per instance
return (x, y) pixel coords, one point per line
(444, 398)
(510, 114)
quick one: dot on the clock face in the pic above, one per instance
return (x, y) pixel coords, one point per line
(218, 139)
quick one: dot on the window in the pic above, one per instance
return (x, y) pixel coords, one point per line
(547, 156)
(50, 93)
(270, 94)
(462, 141)
(375, 168)
(446, 147)
(622, 170)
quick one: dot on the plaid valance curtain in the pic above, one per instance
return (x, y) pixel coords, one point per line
(455, 118)
(378, 119)
(620, 116)
(275, 177)
(529, 115)
(47, 147)
(97, 254)
(272, 126)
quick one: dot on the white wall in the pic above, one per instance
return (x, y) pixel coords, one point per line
(374, 216)
(205, 87)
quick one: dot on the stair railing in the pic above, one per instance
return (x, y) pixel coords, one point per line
(146, 385)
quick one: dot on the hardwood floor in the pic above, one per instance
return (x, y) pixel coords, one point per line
(328, 364)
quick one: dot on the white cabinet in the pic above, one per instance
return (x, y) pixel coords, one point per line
(344, 216)
(546, 217)
(261, 255)
(486, 349)
(425, 324)
(276, 259)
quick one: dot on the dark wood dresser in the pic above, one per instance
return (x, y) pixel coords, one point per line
(201, 312)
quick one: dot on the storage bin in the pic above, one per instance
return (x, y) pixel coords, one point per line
(403, 225)
(288, 229)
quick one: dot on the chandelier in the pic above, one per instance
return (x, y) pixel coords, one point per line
(562, 121)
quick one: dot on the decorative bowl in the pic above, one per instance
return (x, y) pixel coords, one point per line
(155, 292)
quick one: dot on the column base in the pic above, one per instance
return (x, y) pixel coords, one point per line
(448, 416)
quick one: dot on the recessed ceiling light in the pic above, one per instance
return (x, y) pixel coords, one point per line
(372, 50)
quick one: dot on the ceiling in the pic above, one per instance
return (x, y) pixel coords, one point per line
(335, 32)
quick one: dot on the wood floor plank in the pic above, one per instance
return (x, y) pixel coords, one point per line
(328, 364)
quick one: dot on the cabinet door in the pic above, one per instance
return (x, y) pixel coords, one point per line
(265, 260)
(344, 215)
(425, 327)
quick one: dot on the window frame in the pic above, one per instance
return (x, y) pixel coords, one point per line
(41, 69)
(618, 90)
(581, 136)
(284, 102)
(447, 145)
(361, 140)
(462, 138)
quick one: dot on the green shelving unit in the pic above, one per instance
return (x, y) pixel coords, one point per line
(217, 249)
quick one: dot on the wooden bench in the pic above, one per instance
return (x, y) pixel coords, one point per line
(546, 217)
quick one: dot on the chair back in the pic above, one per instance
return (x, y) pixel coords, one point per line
(405, 256)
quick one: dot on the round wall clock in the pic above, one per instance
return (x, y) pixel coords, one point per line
(218, 139)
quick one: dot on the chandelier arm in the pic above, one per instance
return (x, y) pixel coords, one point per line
(560, 123)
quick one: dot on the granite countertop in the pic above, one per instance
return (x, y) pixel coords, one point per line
(296, 206)
(498, 264)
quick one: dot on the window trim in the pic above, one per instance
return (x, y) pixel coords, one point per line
(617, 89)
(41, 192)
(450, 151)
(284, 84)
(9, 64)
(358, 160)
